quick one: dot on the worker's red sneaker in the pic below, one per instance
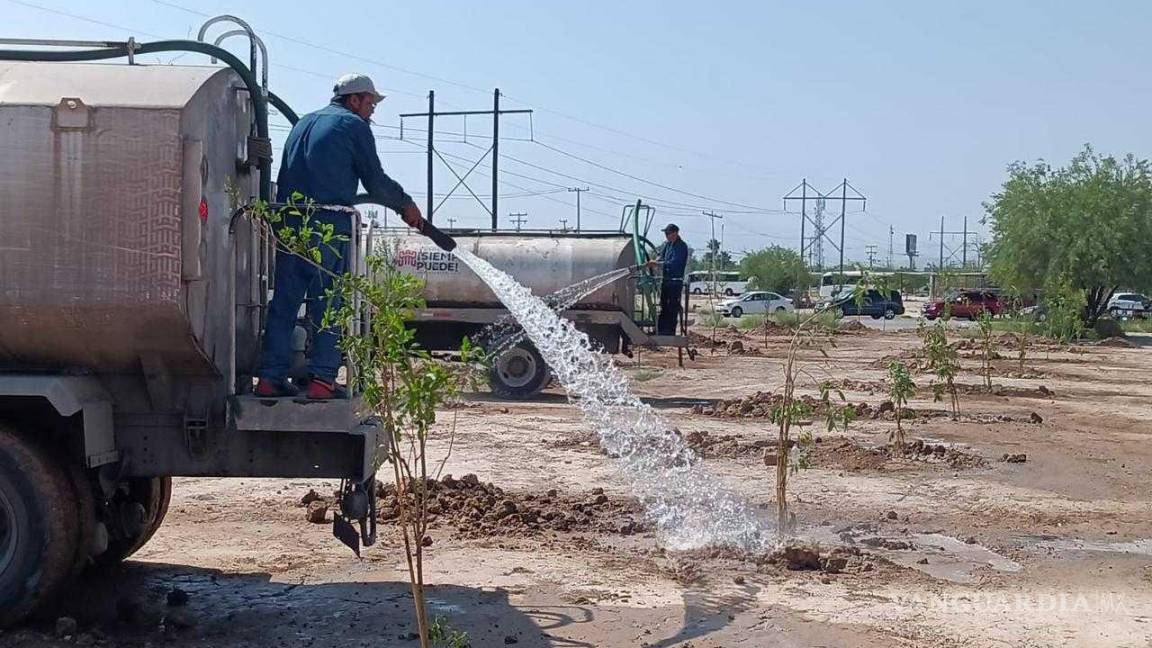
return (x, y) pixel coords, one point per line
(323, 390)
(269, 388)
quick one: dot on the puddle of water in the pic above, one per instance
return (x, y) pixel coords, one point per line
(948, 558)
(1138, 547)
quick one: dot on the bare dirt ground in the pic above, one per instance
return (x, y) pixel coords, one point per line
(949, 545)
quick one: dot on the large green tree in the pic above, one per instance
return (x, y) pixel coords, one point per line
(775, 268)
(1087, 226)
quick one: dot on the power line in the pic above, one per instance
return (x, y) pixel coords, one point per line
(631, 135)
(330, 50)
(522, 188)
(647, 197)
(639, 179)
(58, 12)
(415, 73)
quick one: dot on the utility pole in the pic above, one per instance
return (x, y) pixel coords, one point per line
(814, 245)
(563, 224)
(519, 218)
(431, 150)
(496, 156)
(940, 268)
(433, 153)
(871, 249)
(891, 236)
(714, 251)
(578, 191)
(803, 198)
(964, 249)
(951, 250)
(451, 222)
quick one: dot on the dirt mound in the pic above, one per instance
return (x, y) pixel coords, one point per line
(1008, 391)
(727, 446)
(851, 456)
(865, 386)
(478, 509)
(926, 414)
(1028, 373)
(913, 358)
(794, 555)
(850, 326)
(761, 404)
(1114, 342)
(951, 456)
(771, 328)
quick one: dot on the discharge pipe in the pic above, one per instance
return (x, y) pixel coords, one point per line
(442, 240)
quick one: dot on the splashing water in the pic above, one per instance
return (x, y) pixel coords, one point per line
(507, 333)
(689, 506)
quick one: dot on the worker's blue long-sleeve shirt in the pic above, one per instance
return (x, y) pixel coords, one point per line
(327, 154)
(674, 257)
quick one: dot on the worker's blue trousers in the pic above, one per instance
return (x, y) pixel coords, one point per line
(297, 279)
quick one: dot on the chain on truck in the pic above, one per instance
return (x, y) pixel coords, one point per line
(133, 292)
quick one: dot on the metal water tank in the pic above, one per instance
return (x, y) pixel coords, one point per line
(543, 261)
(114, 199)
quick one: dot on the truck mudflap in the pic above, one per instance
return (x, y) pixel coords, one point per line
(70, 395)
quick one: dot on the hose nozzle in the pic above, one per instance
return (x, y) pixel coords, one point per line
(442, 240)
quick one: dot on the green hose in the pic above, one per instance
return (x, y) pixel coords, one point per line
(120, 50)
(284, 108)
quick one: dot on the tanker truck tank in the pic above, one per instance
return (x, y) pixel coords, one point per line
(543, 262)
(459, 304)
(115, 203)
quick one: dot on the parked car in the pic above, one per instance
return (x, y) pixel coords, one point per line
(754, 303)
(874, 304)
(970, 304)
(1128, 305)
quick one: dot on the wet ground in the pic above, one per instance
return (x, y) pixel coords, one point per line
(1051, 548)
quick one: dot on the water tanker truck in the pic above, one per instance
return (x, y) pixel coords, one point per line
(616, 316)
(132, 298)
(133, 290)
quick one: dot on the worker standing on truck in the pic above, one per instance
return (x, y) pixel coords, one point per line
(326, 155)
(673, 257)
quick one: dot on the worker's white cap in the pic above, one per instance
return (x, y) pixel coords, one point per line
(350, 84)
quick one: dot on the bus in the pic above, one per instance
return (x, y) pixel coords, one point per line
(833, 283)
(703, 282)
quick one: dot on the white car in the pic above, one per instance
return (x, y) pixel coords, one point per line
(755, 303)
(1128, 305)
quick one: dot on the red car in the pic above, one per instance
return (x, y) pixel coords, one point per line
(970, 304)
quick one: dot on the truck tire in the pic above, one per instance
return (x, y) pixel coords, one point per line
(149, 498)
(38, 528)
(85, 516)
(519, 373)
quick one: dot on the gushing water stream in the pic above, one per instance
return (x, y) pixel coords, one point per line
(690, 506)
(506, 333)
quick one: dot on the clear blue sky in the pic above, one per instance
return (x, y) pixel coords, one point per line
(920, 104)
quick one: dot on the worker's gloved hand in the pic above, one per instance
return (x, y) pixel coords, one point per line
(412, 217)
(652, 264)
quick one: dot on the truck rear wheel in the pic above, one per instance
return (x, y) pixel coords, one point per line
(38, 528)
(136, 511)
(519, 372)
